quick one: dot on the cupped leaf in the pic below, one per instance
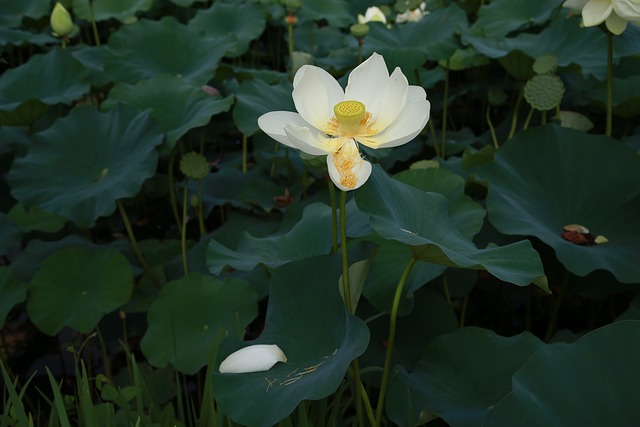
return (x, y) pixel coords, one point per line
(76, 286)
(308, 321)
(500, 17)
(103, 10)
(188, 316)
(256, 97)
(549, 177)
(419, 219)
(63, 83)
(310, 237)
(151, 48)
(591, 382)
(86, 161)
(175, 104)
(241, 21)
(12, 292)
(462, 375)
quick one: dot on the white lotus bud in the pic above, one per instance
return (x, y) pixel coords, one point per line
(254, 358)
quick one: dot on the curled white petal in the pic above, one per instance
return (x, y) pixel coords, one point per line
(254, 358)
(373, 14)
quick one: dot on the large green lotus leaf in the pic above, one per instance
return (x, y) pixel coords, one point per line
(10, 235)
(244, 190)
(12, 12)
(175, 104)
(12, 292)
(334, 12)
(255, 97)
(34, 219)
(26, 114)
(462, 375)
(310, 237)
(92, 57)
(419, 219)
(190, 313)
(434, 37)
(76, 286)
(548, 177)
(241, 21)
(17, 37)
(307, 319)
(591, 382)
(151, 48)
(103, 10)
(86, 161)
(63, 83)
(500, 17)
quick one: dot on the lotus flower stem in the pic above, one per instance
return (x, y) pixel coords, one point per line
(514, 119)
(134, 242)
(553, 320)
(493, 131)
(345, 255)
(609, 83)
(96, 36)
(334, 217)
(391, 339)
(172, 191)
(203, 229)
(244, 153)
(183, 231)
(444, 112)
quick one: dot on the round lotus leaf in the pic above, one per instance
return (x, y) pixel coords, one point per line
(544, 91)
(34, 219)
(591, 382)
(12, 292)
(500, 17)
(189, 314)
(550, 177)
(17, 37)
(545, 64)
(12, 12)
(317, 335)
(151, 48)
(241, 21)
(104, 10)
(63, 83)
(86, 161)
(10, 235)
(177, 105)
(76, 286)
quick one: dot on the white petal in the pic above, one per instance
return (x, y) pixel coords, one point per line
(367, 81)
(595, 12)
(362, 171)
(273, 124)
(315, 93)
(627, 9)
(390, 102)
(616, 24)
(310, 140)
(254, 358)
(373, 14)
(407, 125)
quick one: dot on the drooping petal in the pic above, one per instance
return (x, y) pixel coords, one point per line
(367, 82)
(595, 12)
(391, 101)
(407, 125)
(616, 24)
(347, 169)
(310, 140)
(273, 124)
(315, 92)
(254, 358)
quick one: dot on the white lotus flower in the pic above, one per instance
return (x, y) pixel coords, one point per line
(376, 109)
(373, 14)
(614, 13)
(414, 15)
(254, 358)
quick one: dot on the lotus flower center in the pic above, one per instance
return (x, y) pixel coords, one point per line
(349, 115)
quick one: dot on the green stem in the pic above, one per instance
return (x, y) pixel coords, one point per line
(514, 119)
(203, 229)
(244, 154)
(290, 34)
(391, 339)
(334, 217)
(94, 25)
(609, 83)
(528, 119)
(134, 242)
(183, 232)
(544, 118)
(463, 310)
(360, 42)
(345, 256)
(436, 146)
(444, 112)
(172, 190)
(553, 320)
(493, 131)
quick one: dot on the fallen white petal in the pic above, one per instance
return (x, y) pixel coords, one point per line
(254, 358)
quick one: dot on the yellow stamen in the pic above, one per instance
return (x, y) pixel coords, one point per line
(347, 160)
